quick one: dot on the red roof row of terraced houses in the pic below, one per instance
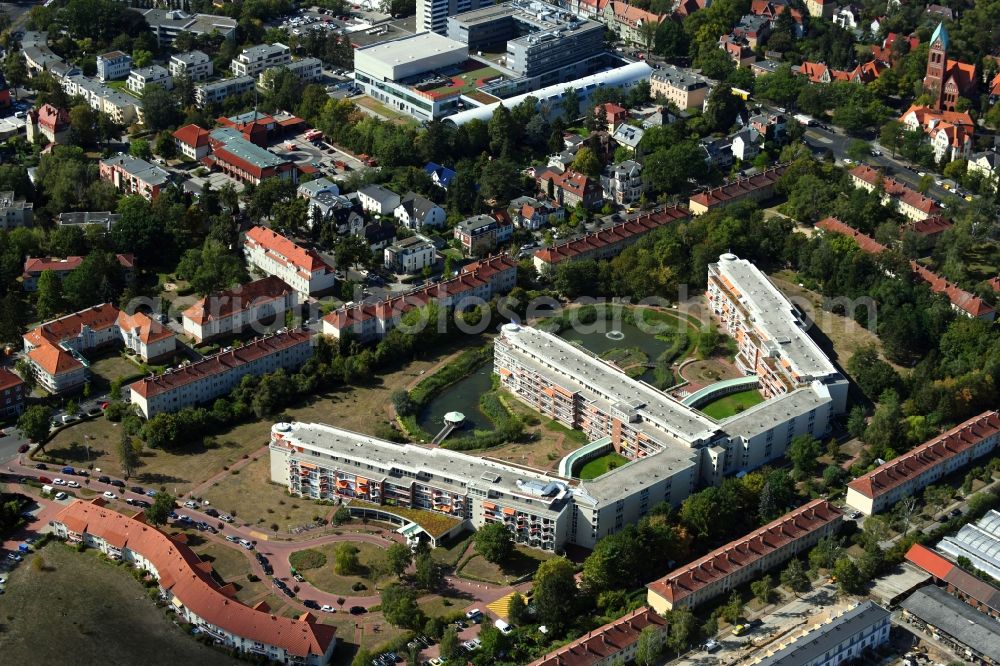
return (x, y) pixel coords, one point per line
(935, 452)
(735, 555)
(739, 189)
(474, 275)
(961, 299)
(975, 592)
(897, 190)
(605, 642)
(189, 579)
(622, 233)
(213, 365)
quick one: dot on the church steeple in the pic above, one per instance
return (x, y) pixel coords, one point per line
(937, 65)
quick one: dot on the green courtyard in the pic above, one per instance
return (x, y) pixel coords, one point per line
(732, 404)
(602, 465)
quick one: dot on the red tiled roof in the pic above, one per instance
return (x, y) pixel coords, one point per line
(616, 234)
(929, 561)
(737, 554)
(52, 359)
(896, 189)
(739, 189)
(282, 249)
(969, 587)
(866, 243)
(601, 644)
(192, 135)
(37, 265)
(8, 380)
(570, 181)
(961, 299)
(182, 572)
(150, 330)
(96, 318)
(885, 477)
(930, 226)
(52, 118)
(473, 275)
(244, 297)
(994, 284)
(633, 16)
(222, 362)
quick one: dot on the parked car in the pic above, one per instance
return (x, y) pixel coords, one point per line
(59, 482)
(14, 557)
(231, 538)
(104, 479)
(358, 610)
(475, 615)
(326, 608)
(138, 490)
(72, 484)
(118, 483)
(61, 496)
(191, 504)
(110, 495)
(150, 493)
(309, 603)
(226, 518)
(41, 466)
(955, 513)
(212, 512)
(68, 470)
(712, 645)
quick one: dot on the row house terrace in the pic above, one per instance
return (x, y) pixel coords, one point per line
(911, 203)
(261, 303)
(476, 283)
(612, 643)
(757, 187)
(913, 471)
(745, 558)
(186, 582)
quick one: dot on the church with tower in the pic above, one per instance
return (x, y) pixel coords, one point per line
(947, 80)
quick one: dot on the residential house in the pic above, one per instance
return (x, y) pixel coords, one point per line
(986, 163)
(410, 255)
(683, 88)
(757, 187)
(613, 643)
(622, 183)
(821, 8)
(196, 65)
(738, 50)
(311, 189)
(910, 203)
(532, 214)
(772, 126)
(718, 152)
(15, 212)
(113, 65)
(955, 580)
(415, 212)
(254, 60)
(147, 337)
(167, 24)
(259, 306)
(305, 69)
(440, 175)
(847, 17)
(205, 380)
(48, 123)
(951, 133)
(103, 219)
(628, 136)
(216, 92)
(753, 29)
(377, 199)
(481, 234)
(850, 636)
(190, 589)
(138, 79)
(746, 144)
(12, 394)
(35, 266)
(192, 142)
(614, 114)
(132, 175)
(377, 233)
(626, 21)
(570, 188)
(302, 269)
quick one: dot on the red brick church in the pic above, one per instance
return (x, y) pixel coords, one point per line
(947, 80)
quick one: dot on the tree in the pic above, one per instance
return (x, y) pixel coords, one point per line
(345, 559)
(15, 68)
(362, 657)
(682, 626)
(427, 573)
(937, 497)
(141, 58)
(128, 454)
(449, 643)
(723, 108)
(160, 109)
(211, 268)
(341, 515)
(763, 589)
(733, 608)
(849, 578)
(555, 593)
(650, 646)
(83, 125)
(398, 556)
(494, 542)
(794, 576)
(670, 41)
(570, 106)
(586, 162)
(825, 553)
(49, 295)
(140, 148)
(517, 609)
(873, 375)
(163, 506)
(803, 451)
(399, 606)
(34, 422)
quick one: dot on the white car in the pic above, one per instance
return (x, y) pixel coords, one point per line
(61, 496)
(72, 484)
(110, 495)
(231, 539)
(327, 608)
(191, 504)
(58, 482)
(474, 613)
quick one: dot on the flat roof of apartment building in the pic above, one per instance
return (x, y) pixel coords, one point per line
(813, 645)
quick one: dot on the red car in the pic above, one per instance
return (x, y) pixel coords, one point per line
(104, 405)
(23, 448)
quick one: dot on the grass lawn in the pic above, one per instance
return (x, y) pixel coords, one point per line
(524, 561)
(451, 551)
(434, 523)
(383, 110)
(468, 79)
(111, 366)
(440, 606)
(602, 465)
(550, 442)
(325, 578)
(578, 436)
(732, 404)
(87, 611)
(231, 564)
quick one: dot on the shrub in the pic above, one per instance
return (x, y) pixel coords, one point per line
(303, 560)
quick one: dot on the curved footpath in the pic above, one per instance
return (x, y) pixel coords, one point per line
(277, 552)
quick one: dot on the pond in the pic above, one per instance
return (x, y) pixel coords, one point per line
(462, 396)
(603, 336)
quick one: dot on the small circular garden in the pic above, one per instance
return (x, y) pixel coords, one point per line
(345, 567)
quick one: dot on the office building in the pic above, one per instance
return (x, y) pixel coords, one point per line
(301, 269)
(846, 637)
(972, 634)
(744, 559)
(241, 159)
(432, 15)
(190, 589)
(196, 65)
(769, 332)
(259, 306)
(254, 60)
(15, 212)
(681, 87)
(908, 474)
(214, 376)
(542, 42)
(132, 175)
(166, 24)
(410, 255)
(216, 92)
(613, 643)
(138, 79)
(113, 65)
(394, 72)
(475, 284)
